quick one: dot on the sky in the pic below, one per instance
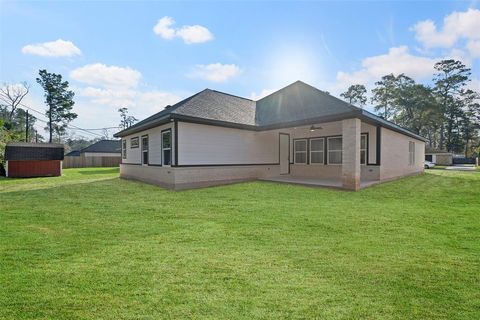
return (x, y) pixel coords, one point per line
(146, 55)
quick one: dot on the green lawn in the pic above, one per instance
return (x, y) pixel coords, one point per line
(88, 245)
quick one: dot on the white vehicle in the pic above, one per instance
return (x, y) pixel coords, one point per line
(429, 165)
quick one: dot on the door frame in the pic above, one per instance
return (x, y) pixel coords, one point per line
(280, 152)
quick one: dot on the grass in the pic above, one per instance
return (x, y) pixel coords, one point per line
(88, 245)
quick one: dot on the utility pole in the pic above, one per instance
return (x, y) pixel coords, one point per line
(26, 128)
(36, 136)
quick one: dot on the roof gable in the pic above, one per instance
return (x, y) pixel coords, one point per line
(298, 101)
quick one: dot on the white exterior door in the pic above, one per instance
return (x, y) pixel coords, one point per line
(284, 153)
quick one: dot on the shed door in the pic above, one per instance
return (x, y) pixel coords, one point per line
(284, 153)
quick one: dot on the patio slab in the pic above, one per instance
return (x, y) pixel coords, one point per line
(315, 182)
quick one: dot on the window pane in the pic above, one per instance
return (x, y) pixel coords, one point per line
(335, 157)
(335, 144)
(145, 143)
(145, 157)
(301, 145)
(316, 157)
(300, 157)
(166, 157)
(166, 140)
(363, 157)
(316, 145)
(134, 142)
(363, 142)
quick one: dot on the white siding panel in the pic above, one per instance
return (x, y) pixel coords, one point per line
(101, 154)
(154, 145)
(203, 144)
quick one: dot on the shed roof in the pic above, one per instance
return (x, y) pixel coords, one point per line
(33, 151)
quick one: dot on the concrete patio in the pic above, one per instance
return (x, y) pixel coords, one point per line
(315, 182)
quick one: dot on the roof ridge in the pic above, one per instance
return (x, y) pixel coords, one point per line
(229, 94)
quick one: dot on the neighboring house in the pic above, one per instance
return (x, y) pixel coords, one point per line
(33, 159)
(439, 157)
(104, 153)
(299, 131)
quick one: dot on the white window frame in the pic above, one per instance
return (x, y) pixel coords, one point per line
(295, 151)
(168, 131)
(316, 151)
(134, 143)
(328, 151)
(366, 149)
(145, 150)
(124, 149)
(411, 153)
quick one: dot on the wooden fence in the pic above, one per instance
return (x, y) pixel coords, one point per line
(85, 162)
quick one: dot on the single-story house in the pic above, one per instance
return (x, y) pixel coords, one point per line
(102, 148)
(439, 157)
(33, 159)
(296, 133)
(103, 153)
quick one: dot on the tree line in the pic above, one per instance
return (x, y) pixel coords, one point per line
(447, 113)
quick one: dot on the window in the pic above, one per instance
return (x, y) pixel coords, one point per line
(134, 143)
(124, 149)
(300, 147)
(334, 150)
(363, 149)
(167, 147)
(411, 153)
(145, 150)
(316, 150)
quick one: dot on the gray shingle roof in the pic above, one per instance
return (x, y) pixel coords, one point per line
(298, 101)
(33, 151)
(104, 146)
(295, 104)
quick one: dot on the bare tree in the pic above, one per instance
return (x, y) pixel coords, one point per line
(13, 94)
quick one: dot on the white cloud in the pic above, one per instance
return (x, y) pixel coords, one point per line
(106, 76)
(110, 97)
(474, 48)
(215, 72)
(262, 94)
(189, 34)
(456, 25)
(397, 60)
(58, 48)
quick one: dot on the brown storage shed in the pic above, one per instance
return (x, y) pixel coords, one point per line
(33, 159)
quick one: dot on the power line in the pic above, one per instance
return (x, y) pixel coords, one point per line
(71, 126)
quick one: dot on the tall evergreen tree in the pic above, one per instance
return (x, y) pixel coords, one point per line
(59, 101)
(450, 79)
(384, 95)
(356, 94)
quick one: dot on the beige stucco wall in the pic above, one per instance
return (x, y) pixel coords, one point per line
(395, 155)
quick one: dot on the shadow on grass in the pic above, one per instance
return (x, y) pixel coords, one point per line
(99, 171)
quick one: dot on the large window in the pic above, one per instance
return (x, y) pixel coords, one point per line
(167, 147)
(316, 150)
(334, 150)
(145, 150)
(134, 143)
(300, 149)
(411, 153)
(363, 149)
(124, 149)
